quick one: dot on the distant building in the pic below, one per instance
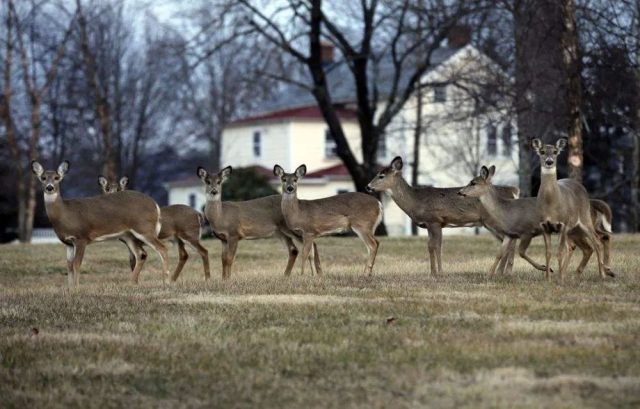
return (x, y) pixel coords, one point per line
(457, 138)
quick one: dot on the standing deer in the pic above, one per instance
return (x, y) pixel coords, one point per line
(251, 219)
(564, 207)
(520, 219)
(80, 222)
(434, 208)
(354, 211)
(179, 222)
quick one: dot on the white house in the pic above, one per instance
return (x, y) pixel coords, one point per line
(290, 130)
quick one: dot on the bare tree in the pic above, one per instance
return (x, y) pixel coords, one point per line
(385, 33)
(38, 64)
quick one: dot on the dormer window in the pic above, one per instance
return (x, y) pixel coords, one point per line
(440, 93)
(257, 144)
(330, 147)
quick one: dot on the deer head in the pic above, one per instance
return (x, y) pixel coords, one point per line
(548, 153)
(112, 187)
(213, 183)
(480, 184)
(50, 179)
(387, 177)
(289, 180)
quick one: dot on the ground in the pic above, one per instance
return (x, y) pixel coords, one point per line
(401, 338)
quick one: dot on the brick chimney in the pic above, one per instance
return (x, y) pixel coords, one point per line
(327, 52)
(459, 36)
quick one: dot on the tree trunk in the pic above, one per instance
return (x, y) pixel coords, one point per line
(571, 58)
(417, 132)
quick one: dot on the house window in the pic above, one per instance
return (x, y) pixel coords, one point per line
(492, 140)
(440, 93)
(257, 144)
(382, 146)
(192, 200)
(330, 148)
(507, 141)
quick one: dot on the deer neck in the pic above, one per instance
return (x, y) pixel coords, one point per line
(290, 203)
(549, 192)
(403, 195)
(214, 205)
(493, 206)
(54, 206)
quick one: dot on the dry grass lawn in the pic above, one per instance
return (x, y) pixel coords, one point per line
(400, 338)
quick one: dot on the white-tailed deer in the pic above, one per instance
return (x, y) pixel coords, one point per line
(250, 219)
(80, 222)
(354, 211)
(434, 208)
(564, 207)
(179, 222)
(520, 219)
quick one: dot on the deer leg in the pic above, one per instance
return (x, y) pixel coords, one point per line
(316, 259)
(139, 256)
(562, 250)
(307, 244)
(293, 254)
(372, 246)
(228, 256)
(506, 262)
(502, 254)
(547, 253)
(435, 237)
(71, 254)
(522, 251)
(591, 236)
(204, 253)
(183, 256)
(579, 240)
(160, 248)
(605, 238)
(77, 260)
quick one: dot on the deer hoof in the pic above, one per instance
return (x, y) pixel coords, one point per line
(610, 273)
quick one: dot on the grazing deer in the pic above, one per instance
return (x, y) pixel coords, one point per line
(80, 222)
(250, 219)
(179, 222)
(433, 208)
(520, 219)
(564, 207)
(354, 211)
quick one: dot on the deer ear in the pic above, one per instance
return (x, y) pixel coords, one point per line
(201, 172)
(226, 172)
(561, 143)
(63, 168)
(102, 181)
(278, 171)
(492, 171)
(396, 163)
(124, 182)
(37, 168)
(536, 144)
(301, 171)
(484, 172)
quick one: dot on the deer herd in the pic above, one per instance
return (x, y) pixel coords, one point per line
(562, 206)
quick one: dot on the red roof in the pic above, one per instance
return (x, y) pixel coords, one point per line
(308, 112)
(332, 171)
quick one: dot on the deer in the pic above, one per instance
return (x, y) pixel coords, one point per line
(250, 219)
(434, 208)
(564, 207)
(355, 211)
(519, 219)
(179, 222)
(80, 222)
